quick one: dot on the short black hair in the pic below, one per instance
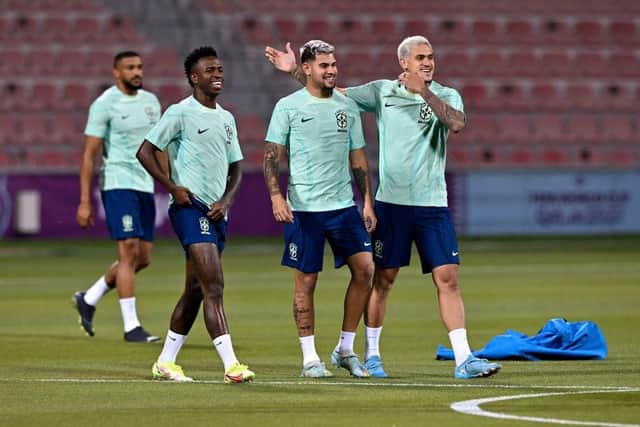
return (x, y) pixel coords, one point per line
(124, 54)
(193, 58)
(312, 48)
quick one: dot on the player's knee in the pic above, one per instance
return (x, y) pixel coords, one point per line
(447, 283)
(383, 282)
(129, 252)
(214, 289)
(306, 284)
(364, 273)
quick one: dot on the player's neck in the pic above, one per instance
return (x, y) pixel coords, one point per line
(126, 90)
(206, 100)
(319, 92)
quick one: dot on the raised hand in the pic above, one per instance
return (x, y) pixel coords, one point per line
(283, 61)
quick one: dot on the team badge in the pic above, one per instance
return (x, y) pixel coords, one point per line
(341, 119)
(229, 132)
(204, 225)
(151, 115)
(293, 251)
(377, 248)
(425, 113)
(127, 223)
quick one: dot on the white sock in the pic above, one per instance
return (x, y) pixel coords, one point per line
(96, 292)
(372, 342)
(129, 314)
(308, 346)
(345, 342)
(225, 350)
(461, 350)
(172, 345)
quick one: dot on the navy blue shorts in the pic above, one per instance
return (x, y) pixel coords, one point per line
(430, 227)
(191, 225)
(129, 214)
(304, 238)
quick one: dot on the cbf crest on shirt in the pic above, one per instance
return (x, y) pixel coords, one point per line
(319, 134)
(201, 143)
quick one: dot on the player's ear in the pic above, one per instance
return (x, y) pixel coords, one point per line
(306, 68)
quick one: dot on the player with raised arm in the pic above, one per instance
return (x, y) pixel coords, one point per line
(414, 115)
(320, 132)
(118, 120)
(204, 158)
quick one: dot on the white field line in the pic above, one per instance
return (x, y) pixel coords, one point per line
(472, 407)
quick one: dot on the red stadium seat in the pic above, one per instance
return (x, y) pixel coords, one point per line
(317, 28)
(10, 130)
(475, 97)
(514, 129)
(581, 96)
(625, 64)
(65, 130)
(481, 128)
(520, 31)
(584, 128)
(511, 96)
(417, 27)
(592, 63)
(34, 129)
(623, 32)
(524, 63)
(549, 128)
(75, 97)
(485, 31)
(287, 28)
(455, 63)
(545, 96)
(618, 128)
(588, 32)
(383, 29)
(43, 97)
(619, 97)
(557, 63)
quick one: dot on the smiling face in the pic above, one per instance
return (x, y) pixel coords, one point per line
(128, 73)
(208, 76)
(322, 71)
(420, 60)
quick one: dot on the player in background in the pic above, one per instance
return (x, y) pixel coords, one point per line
(320, 131)
(204, 158)
(118, 120)
(414, 115)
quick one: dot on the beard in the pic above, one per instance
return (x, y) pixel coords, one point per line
(133, 86)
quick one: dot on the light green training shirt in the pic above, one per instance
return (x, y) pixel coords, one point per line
(412, 141)
(201, 143)
(122, 121)
(319, 134)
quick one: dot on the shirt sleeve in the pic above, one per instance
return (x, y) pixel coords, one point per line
(453, 99)
(167, 129)
(279, 126)
(356, 135)
(98, 120)
(365, 96)
(235, 153)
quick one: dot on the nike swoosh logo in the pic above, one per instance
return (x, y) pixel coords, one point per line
(172, 338)
(124, 117)
(201, 131)
(454, 253)
(367, 244)
(386, 104)
(306, 120)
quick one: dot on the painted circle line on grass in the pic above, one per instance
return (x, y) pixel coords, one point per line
(472, 407)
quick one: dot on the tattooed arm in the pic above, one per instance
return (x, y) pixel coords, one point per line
(454, 119)
(280, 207)
(360, 170)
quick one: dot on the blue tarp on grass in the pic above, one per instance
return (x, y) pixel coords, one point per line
(557, 340)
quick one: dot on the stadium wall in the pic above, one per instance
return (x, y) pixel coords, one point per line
(482, 203)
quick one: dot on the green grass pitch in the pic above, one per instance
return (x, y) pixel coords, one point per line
(52, 374)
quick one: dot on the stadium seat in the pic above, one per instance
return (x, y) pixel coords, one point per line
(623, 32)
(555, 32)
(255, 30)
(416, 27)
(584, 128)
(512, 96)
(619, 97)
(287, 28)
(522, 157)
(14, 97)
(513, 129)
(485, 31)
(545, 96)
(618, 128)
(171, 93)
(351, 30)
(65, 130)
(591, 63)
(75, 97)
(587, 32)
(625, 64)
(520, 31)
(35, 130)
(623, 157)
(557, 63)
(490, 63)
(475, 97)
(451, 30)
(454, 63)
(317, 28)
(43, 97)
(524, 63)
(384, 29)
(581, 96)
(549, 128)
(481, 128)
(10, 130)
